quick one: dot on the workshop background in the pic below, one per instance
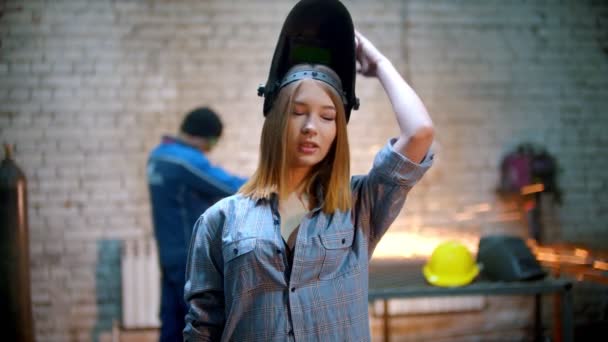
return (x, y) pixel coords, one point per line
(88, 87)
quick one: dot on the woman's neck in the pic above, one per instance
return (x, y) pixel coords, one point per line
(295, 180)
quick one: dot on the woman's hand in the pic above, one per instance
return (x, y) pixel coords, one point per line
(367, 55)
(415, 124)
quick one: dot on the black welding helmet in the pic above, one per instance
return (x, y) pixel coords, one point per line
(315, 32)
(507, 258)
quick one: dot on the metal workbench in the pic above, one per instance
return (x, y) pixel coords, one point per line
(403, 279)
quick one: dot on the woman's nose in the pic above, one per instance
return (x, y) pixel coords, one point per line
(309, 126)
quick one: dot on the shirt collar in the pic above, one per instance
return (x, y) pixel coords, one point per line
(169, 139)
(274, 199)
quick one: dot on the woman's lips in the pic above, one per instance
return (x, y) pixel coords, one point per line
(307, 147)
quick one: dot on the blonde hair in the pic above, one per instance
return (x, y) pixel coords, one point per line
(332, 173)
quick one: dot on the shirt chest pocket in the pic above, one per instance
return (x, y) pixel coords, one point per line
(339, 256)
(235, 249)
(237, 263)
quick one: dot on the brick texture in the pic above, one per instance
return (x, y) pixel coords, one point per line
(87, 87)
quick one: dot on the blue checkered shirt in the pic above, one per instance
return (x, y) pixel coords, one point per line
(241, 285)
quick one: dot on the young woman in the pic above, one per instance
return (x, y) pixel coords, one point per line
(287, 257)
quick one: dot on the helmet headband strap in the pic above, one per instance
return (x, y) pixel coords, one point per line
(315, 75)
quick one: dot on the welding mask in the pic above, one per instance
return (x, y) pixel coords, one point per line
(450, 265)
(315, 32)
(507, 258)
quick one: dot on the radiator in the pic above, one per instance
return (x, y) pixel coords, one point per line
(140, 284)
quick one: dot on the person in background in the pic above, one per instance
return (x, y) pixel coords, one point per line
(286, 259)
(183, 184)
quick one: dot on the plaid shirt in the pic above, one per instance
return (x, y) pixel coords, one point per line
(241, 286)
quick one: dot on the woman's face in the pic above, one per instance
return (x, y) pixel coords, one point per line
(311, 127)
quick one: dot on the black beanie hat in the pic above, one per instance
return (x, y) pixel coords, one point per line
(202, 122)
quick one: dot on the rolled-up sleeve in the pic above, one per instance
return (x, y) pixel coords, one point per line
(204, 290)
(378, 197)
(392, 166)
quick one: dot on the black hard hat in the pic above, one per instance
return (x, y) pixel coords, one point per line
(315, 32)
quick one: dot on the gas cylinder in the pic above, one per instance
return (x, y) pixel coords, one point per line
(15, 296)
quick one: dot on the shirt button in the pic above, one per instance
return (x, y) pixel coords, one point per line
(290, 332)
(343, 241)
(236, 251)
(293, 289)
(276, 221)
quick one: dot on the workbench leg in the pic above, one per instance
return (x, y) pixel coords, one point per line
(557, 318)
(567, 316)
(538, 318)
(385, 321)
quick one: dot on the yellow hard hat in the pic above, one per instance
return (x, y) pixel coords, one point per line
(450, 265)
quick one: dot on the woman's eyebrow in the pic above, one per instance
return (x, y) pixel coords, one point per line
(301, 103)
(304, 104)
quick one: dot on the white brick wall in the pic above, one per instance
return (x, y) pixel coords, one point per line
(88, 87)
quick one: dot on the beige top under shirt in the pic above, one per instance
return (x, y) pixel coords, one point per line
(292, 212)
